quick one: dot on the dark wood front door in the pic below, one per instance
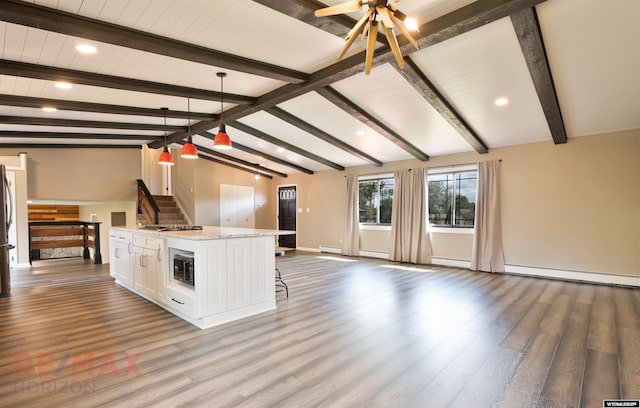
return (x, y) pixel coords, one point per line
(287, 215)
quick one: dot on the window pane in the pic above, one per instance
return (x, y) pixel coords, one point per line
(386, 200)
(465, 198)
(367, 193)
(440, 198)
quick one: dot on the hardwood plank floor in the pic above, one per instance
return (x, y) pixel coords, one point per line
(354, 332)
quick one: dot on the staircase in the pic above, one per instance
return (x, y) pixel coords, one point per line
(170, 213)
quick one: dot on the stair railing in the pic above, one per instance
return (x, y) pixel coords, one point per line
(147, 206)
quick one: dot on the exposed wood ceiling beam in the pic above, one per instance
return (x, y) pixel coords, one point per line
(61, 104)
(363, 116)
(529, 35)
(258, 153)
(79, 136)
(235, 166)
(24, 120)
(460, 21)
(19, 12)
(428, 91)
(49, 73)
(269, 157)
(295, 149)
(205, 155)
(321, 134)
(66, 146)
(231, 159)
(302, 10)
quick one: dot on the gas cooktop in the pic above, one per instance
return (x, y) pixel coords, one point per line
(173, 227)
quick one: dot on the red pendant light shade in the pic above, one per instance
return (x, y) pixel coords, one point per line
(189, 150)
(165, 157)
(222, 141)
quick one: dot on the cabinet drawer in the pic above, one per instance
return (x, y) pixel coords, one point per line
(180, 301)
(144, 241)
(120, 237)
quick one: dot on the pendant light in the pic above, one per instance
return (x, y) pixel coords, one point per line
(165, 156)
(189, 150)
(222, 140)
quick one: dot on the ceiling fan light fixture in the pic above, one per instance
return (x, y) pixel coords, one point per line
(381, 16)
(222, 141)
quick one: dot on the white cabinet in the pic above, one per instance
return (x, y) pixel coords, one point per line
(148, 265)
(120, 257)
(233, 277)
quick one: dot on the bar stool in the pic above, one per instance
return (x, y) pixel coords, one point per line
(279, 282)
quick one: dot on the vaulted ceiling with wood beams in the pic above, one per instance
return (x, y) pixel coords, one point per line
(565, 68)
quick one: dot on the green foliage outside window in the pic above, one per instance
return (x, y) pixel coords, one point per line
(452, 199)
(375, 201)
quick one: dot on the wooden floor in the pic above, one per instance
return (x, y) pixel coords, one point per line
(353, 333)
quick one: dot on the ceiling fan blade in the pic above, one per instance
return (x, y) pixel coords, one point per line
(347, 7)
(403, 29)
(393, 43)
(385, 16)
(353, 34)
(371, 44)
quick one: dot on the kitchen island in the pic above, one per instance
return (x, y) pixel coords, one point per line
(206, 277)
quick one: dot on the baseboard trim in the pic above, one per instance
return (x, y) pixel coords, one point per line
(576, 276)
(457, 263)
(590, 277)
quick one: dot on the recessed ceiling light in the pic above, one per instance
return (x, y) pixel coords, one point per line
(49, 109)
(360, 133)
(501, 101)
(63, 85)
(86, 48)
(280, 150)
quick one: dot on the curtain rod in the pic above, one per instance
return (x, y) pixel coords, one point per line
(435, 167)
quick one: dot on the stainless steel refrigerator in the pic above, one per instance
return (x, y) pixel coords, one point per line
(6, 215)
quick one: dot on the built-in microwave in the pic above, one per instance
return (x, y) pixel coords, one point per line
(183, 270)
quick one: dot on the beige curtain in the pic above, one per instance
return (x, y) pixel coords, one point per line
(410, 240)
(486, 253)
(351, 242)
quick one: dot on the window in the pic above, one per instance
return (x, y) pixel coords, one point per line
(375, 200)
(452, 199)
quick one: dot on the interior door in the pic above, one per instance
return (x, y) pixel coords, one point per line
(287, 210)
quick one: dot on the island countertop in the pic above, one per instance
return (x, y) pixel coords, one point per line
(206, 233)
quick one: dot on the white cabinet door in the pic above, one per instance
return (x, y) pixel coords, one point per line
(148, 266)
(263, 269)
(238, 273)
(211, 275)
(120, 262)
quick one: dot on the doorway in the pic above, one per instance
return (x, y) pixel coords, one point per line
(287, 210)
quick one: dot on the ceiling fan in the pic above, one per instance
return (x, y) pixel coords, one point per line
(380, 11)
